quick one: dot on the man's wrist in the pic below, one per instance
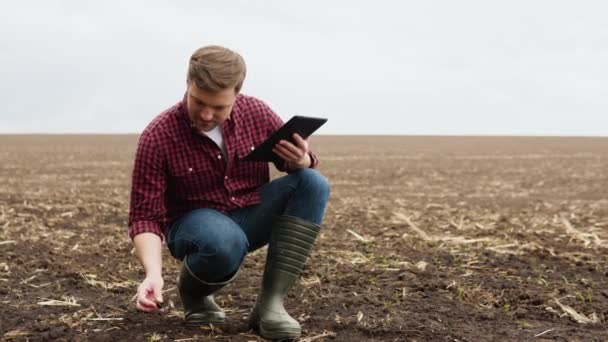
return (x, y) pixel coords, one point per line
(154, 274)
(304, 164)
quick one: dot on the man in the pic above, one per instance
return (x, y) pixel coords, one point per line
(192, 188)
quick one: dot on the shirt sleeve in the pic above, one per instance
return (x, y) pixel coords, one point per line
(275, 123)
(147, 212)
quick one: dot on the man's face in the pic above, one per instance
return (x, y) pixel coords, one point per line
(206, 109)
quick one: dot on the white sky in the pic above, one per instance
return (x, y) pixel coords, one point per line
(373, 67)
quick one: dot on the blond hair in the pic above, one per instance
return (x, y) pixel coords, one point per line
(215, 68)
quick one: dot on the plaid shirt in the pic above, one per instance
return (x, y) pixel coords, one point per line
(178, 169)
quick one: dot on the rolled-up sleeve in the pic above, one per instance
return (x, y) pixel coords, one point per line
(147, 210)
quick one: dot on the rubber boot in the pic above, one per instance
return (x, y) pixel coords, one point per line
(197, 299)
(290, 243)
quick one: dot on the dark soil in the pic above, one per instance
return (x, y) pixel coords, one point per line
(425, 239)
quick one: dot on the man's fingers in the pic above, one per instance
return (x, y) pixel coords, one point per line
(300, 142)
(146, 302)
(281, 154)
(144, 308)
(158, 294)
(285, 153)
(288, 145)
(150, 295)
(297, 151)
(147, 308)
(158, 300)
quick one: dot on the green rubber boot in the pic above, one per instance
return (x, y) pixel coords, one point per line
(197, 299)
(290, 243)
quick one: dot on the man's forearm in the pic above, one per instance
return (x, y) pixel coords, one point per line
(148, 248)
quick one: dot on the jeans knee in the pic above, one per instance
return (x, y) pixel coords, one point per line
(228, 256)
(219, 255)
(316, 182)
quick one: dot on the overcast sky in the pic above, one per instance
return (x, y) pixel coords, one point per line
(373, 67)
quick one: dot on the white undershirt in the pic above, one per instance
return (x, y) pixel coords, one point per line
(216, 135)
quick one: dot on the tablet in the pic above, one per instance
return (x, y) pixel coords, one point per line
(303, 125)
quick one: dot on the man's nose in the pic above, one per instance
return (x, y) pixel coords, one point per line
(206, 114)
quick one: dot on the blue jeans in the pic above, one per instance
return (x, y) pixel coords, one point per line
(216, 243)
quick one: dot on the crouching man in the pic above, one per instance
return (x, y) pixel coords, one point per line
(192, 187)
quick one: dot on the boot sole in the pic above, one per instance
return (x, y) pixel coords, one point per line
(207, 319)
(278, 333)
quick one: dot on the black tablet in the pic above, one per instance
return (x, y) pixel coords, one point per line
(303, 125)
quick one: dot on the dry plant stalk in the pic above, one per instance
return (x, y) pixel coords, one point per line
(359, 237)
(325, 334)
(586, 238)
(68, 301)
(579, 318)
(403, 218)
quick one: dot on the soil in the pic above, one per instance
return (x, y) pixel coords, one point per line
(425, 239)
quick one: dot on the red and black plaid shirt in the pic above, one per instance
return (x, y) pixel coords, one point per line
(178, 169)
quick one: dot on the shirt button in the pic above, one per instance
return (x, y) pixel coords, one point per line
(232, 198)
(225, 177)
(189, 169)
(219, 156)
(252, 148)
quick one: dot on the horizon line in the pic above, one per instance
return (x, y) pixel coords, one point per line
(340, 134)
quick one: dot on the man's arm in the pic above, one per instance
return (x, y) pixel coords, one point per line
(146, 216)
(148, 248)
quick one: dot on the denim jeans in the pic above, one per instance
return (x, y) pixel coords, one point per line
(216, 243)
